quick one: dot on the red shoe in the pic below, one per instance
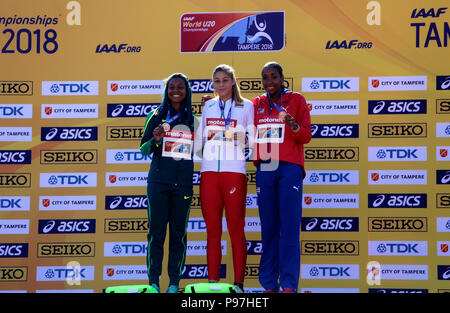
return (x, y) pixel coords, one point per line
(271, 291)
(288, 290)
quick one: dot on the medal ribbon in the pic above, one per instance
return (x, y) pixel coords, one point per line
(274, 104)
(222, 109)
(171, 119)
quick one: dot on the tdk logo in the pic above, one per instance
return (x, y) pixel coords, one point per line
(69, 133)
(397, 154)
(397, 200)
(330, 84)
(130, 109)
(332, 178)
(12, 203)
(196, 271)
(54, 180)
(15, 156)
(395, 248)
(134, 202)
(127, 156)
(68, 180)
(69, 226)
(324, 224)
(13, 250)
(442, 82)
(398, 106)
(9, 111)
(443, 177)
(201, 86)
(330, 271)
(70, 88)
(335, 130)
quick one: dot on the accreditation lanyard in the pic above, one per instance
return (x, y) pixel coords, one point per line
(273, 104)
(222, 109)
(171, 119)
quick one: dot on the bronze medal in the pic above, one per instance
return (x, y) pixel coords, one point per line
(228, 133)
(166, 127)
(282, 115)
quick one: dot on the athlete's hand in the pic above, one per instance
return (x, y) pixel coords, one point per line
(158, 133)
(290, 121)
(206, 98)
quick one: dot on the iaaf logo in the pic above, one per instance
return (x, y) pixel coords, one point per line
(331, 201)
(68, 133)
(330, 84)
(68, 180)
(65, 273)
(333, 224)
(13, 250)
(135, 87)
(443, 130)
(397, 154)
(329, 271)
(132, 202)
(324, 177)
(397, 200)
(70, 88)
(398, 248)
(397, 83)
(335, 130)
(15, 156)
(410, 106)
(200, 271)
(15, 203)
(130, 109)
(443, 82)
(126, 179)
(119, 48)
(68, 226)
(126, 156)
(443, 177)
(397, 177)
(442, 153)
(9, 111)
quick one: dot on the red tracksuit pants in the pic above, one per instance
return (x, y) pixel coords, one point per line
(229, 189)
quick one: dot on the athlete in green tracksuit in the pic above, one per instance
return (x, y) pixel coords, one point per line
(169, 187)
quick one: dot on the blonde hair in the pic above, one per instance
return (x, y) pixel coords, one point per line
(236, 92)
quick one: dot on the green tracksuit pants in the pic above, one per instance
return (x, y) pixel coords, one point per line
(168, 204)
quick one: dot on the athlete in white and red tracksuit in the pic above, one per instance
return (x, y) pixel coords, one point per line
(223, 183)
(279, 159)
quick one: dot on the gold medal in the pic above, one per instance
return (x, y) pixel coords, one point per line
(282, 115)
(228, 133)
(166, 127)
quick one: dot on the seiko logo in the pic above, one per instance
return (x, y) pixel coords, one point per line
(255, 84)
(401, 130)
(398, 224)
(330, 247)
(443, 200)
(66, 249)
(10, 273)
(443, 106)
(16, 88)
(68, 157)
(318, 154)
(116, 133)
(126, 225)
(22, 180)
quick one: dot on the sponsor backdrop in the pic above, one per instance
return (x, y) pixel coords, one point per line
(79, 77)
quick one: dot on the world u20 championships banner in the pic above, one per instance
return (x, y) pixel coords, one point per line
(79, 77)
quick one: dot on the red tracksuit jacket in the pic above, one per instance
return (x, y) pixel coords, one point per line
(290, 147)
